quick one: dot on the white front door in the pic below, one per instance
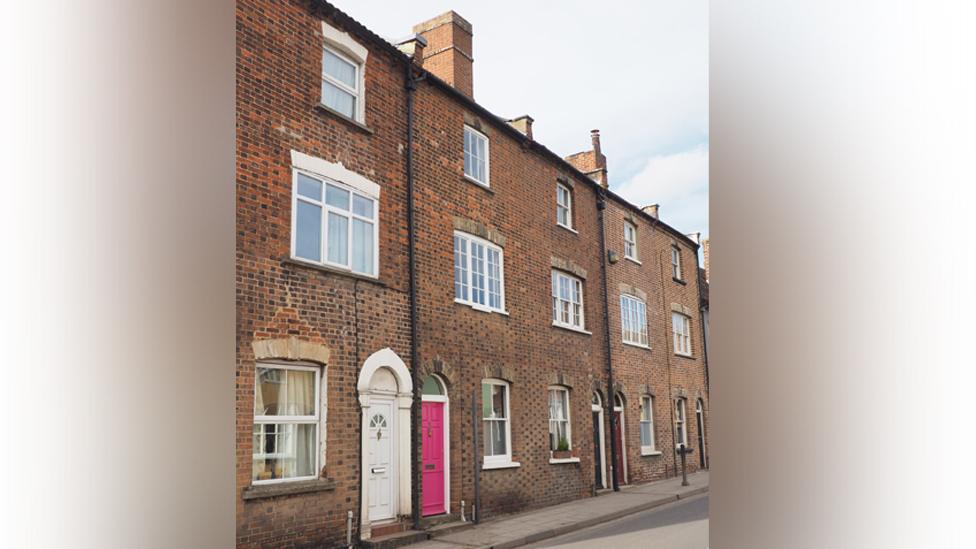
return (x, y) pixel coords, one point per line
(381, 460)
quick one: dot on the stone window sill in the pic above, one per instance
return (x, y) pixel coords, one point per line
(331, 270)
(638, 345)
(650, 452)
(481, 308)
(343, 118)
(682, 355)
(261, 491)
(502, 465)
(564, 460)
(571, 329)
(633, 260)
(679, 281)
(570, 229)
(479, 184)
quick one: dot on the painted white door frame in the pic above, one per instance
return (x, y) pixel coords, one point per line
(623, 434)
(402, 399)
(603, 445)
(447, 438)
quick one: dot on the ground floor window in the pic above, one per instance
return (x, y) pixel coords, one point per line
(647, 424)
(559, 431)
(286, 423)
(494, 408)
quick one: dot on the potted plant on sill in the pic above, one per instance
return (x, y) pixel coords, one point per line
(562, 450)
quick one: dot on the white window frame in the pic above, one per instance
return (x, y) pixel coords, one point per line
(633, 309)
(681, 329)
(567, 420)
(676, 263)
(647, 404)
(576, 288)
(680, 422)
(326, 208)
(468, 274)
(568, 206)
(505, 460)
(630, 244)
(346, 48)
(296, 420)
(487, 159)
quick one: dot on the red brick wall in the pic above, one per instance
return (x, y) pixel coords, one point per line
(278, 87)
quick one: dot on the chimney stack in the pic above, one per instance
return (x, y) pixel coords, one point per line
(413, 47)
(593, 163)
(652, 210)
(523, 124)
(704, 245)
(448, 52)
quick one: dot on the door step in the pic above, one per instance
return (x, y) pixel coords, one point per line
(448, 528)
(381, 530)
(397, 539)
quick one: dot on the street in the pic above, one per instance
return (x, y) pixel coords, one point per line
(679, 525)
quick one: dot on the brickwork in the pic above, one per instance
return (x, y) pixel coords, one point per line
(337, 320)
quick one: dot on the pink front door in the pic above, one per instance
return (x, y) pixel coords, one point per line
(432, 434)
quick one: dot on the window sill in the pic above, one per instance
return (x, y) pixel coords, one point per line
(638, 345)
(682, 355)
(505, 465)
(480, 308)
(632, 260)
(679, 281)
(474, 181)
(555, 461)
(261, 491)
(650, 452)
(331, 270)
(343, 118)
(570, 229)
(571, 329)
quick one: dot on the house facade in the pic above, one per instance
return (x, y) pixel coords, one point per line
(437, 315)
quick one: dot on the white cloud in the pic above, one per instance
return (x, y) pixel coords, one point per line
(679, 183)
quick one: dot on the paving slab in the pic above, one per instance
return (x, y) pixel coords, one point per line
(507, 532)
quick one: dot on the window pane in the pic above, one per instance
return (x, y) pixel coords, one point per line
(494, 280)
(280, 392)
(340, 69)
(432, 387)
(308, 231)
(486, 400)
(338, 239)
(309, 187)
(283, 451)
(334, 196)
(645, 433)
(362, 246)
(460, 268)
(362, 206)
(498, 400)
(477, 273)
(338, 100)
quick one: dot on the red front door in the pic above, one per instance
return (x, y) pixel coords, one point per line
(432, 434)
(618, 468)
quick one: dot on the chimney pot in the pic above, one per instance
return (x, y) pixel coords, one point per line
(652, 210)
(413, 46)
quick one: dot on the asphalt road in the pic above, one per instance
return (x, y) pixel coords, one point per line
(679, 525)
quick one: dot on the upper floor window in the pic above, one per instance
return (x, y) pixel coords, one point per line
(676, 262)
(560, 437)
(495, 416)
(564, 206)
(334, 225)
(478, 273)
(343, 62)
(647, 424)
(567, 301)
(286, 423)
(633, 320)
(630, 240)
(680, 425)
(681, 327)
(475, 155)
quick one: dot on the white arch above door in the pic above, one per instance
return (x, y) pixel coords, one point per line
(385, 358)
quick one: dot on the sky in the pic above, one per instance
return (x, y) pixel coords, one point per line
(637, 71)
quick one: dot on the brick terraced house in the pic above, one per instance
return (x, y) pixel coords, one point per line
(437, 315)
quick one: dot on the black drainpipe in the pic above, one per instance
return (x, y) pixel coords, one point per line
(601, 205)
(411, 86)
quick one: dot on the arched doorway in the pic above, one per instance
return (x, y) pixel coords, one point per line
(599, 459)
(620, 467)
(435, 447)
(700, 417)
(385, 395)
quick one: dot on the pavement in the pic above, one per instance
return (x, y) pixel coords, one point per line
(521, 529)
